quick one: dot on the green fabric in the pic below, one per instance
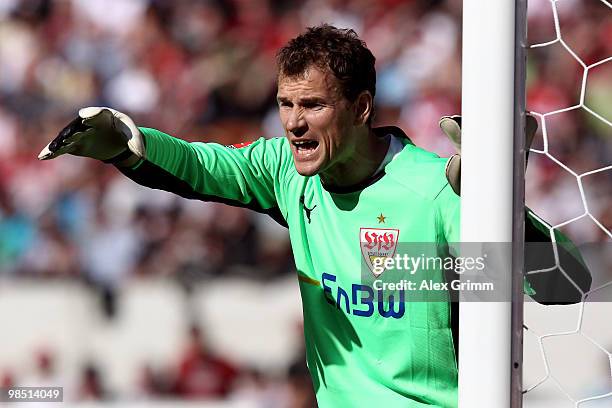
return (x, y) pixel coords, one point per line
(361, 351)
(553, 286)
(360, 354)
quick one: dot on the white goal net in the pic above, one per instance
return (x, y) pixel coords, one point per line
(567, 349)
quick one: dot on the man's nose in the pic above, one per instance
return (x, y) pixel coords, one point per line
(296, 123)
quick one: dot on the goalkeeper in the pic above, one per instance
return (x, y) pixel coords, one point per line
(332, 180)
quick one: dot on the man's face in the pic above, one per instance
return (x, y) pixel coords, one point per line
(318, 121)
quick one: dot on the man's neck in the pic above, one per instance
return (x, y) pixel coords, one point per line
(361, 165)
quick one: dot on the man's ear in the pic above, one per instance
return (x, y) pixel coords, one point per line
(364, 106)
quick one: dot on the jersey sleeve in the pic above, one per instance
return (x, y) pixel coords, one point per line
(251, 176)
(564, 277)
(448, 206)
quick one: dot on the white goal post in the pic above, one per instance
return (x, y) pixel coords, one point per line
(492, 190)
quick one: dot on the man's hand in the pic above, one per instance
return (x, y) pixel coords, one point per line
(451, 126)
(100, 133)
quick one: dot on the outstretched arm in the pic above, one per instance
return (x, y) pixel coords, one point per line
(249, 176)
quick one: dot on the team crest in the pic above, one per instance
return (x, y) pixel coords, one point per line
(377, 243)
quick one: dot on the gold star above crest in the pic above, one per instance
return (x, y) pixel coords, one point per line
(381, 218)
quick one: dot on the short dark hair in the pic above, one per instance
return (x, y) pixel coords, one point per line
(340, 51)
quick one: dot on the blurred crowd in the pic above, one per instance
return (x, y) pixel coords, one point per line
(197, 374)
(204, 70)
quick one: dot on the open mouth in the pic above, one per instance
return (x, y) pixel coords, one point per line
(304, 148)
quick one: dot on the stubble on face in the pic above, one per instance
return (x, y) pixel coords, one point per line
(318, 122)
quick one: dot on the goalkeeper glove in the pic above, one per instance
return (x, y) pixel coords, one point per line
(100, 133)
(451, 126)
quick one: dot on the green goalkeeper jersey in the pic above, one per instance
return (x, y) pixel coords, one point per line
(361, 352)
(363, 349)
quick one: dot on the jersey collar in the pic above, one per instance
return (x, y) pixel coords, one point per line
(379, 132)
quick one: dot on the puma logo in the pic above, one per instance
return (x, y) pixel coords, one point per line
(307, 210)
